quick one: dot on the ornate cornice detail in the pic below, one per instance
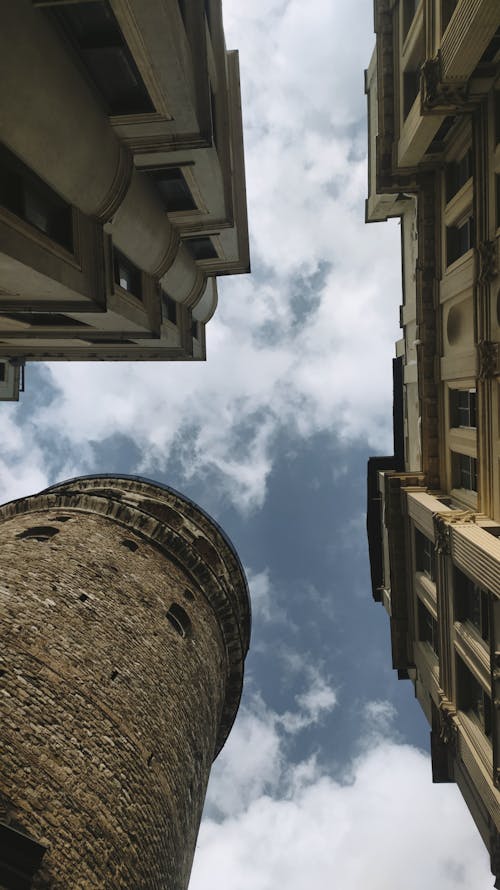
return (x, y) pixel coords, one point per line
(436, 94)
(488, 356)
(448, 728)
(119, 187)
(487, 266)
(442, 527)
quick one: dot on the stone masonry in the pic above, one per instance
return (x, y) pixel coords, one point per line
(125, 624)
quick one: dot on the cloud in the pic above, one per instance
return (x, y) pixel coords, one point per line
(383, 825)
(302, 345)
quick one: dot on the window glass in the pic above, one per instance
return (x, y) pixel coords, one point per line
(425, 555)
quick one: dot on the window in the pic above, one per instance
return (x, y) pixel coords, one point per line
(201, 248)
(45, 319)
(464, 471)
(127, 275)
(473, 699)
(39, 532)
(497, 193)
(173, 188)
(28, 197)
(195, 330)
(2, 372)
(457, 174)
(471, 603)
(409, 10)
(179, 619)
(463, 408)
(96, 36)
(459, 239)
(447, 9)
(425, 555)
(169, 307)
(428, 631)
(411, 86)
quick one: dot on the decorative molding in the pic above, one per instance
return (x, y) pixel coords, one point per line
(436, 94)
(488, 356)
(169, 254)
(487, 266)
(448, 728)
(119, 187)
(442, 527)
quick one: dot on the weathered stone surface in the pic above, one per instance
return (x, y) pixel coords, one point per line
(110, 716)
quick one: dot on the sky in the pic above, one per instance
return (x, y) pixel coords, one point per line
(325, 781)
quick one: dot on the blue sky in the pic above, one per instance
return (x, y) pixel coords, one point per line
(326, 770)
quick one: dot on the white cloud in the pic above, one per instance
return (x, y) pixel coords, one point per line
(271, 368)
(383, 826)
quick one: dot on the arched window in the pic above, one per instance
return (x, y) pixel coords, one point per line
(179, 619)
(39, 532)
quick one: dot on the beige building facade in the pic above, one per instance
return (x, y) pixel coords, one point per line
(125, 625)
(122, 184)
(433, 89)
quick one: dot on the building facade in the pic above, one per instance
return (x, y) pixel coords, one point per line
(122, 184)
(126, 622)
(433, 88)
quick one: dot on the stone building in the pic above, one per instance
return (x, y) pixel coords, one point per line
(433, 89)
(126, 622)
(122, 184)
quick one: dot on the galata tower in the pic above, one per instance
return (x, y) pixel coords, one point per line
(125, 625)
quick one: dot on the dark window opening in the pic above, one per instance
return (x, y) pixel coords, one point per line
(28, 197)
(173, 188)
(45, 319)
(62, 518)
(447, 9)
(96, 36)
(208, 15)
(464, 471)
(459, 239)
(497, 193)
(472, 698)
(188, 595)
(195, 330)
(213, 113)
(471, 603)
(492, 49)
(411, 86)
(457, 174)
(83, 597)
(463, 408)
(114, 675)
(428, 631)
(201, 248)
(3, 369)
(127, 275)
(130, 545)
(409, 10)
(39, 532)
(169, 307)
(425, 555)
(179, 619)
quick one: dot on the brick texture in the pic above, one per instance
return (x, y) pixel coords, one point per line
(110, 717)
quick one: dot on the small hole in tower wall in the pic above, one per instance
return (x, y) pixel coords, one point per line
(83, 597)
(130, 545)
(150, 759)
(188, 595)
(179, 619)
(39, 532)
(62, 518)
(114, 675)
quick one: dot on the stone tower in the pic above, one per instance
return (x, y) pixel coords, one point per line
(126, 622)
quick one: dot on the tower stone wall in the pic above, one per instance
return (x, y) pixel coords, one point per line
(125, 620)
